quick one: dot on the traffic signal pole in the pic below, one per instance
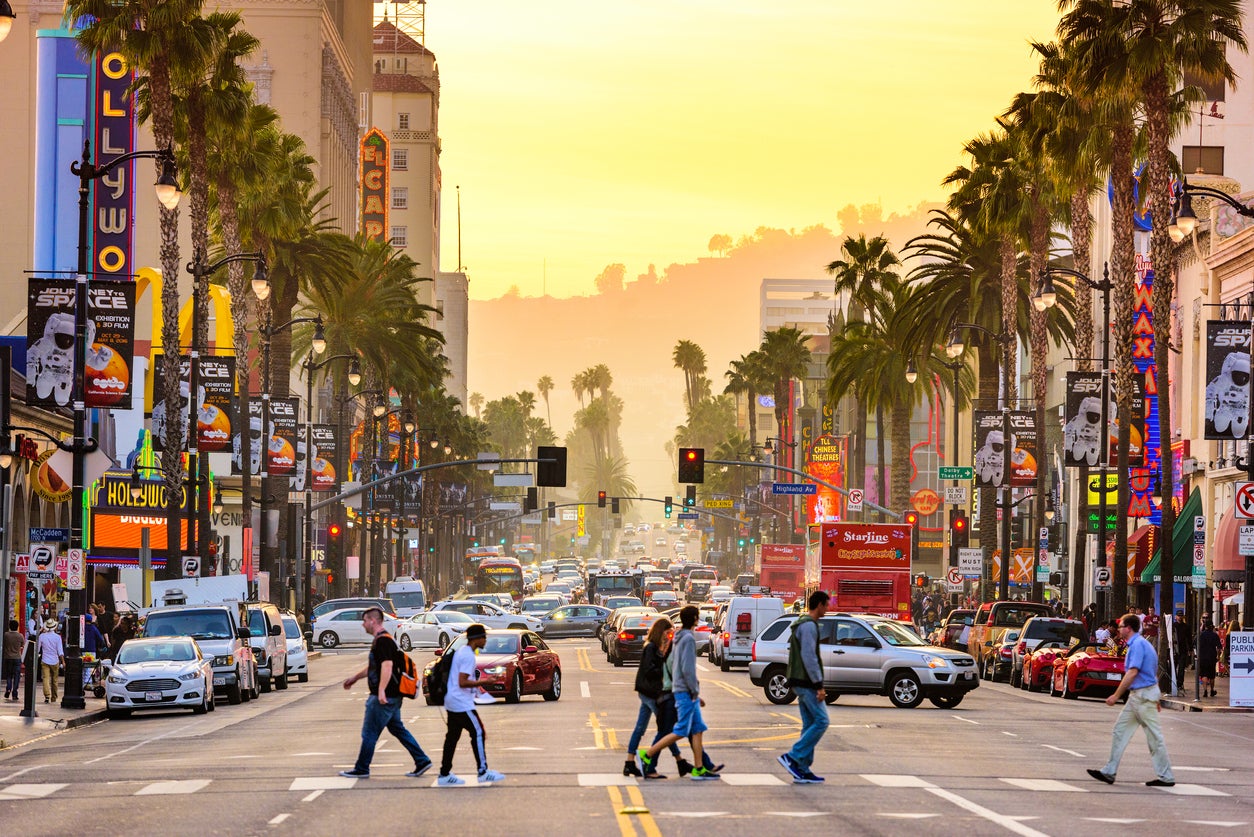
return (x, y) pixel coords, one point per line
(809, 477)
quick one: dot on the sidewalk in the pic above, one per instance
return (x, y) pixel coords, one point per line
(1186, 703)
(16, 730)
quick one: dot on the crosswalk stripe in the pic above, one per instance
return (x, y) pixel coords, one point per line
(750, 779)
(310, 783)
(893, 780)
(1046, 785)
(172, 787)
(603, 780)
(1185, 789)
(38, 791)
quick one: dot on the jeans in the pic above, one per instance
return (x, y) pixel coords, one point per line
(380, 716)
(813, 725)
(648, 708)
(1141, 710)
(50, 671)
(12, 676)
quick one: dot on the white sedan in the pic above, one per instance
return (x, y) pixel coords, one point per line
(343, 627)
(433, 629)
(488, 614)
(297, 653)
(166, 672)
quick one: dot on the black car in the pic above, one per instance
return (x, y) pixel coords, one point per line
(626, 644)
(573, 620)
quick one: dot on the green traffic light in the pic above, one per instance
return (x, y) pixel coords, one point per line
(502, 541)
(476, 543)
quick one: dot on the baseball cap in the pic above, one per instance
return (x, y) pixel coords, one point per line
(476, 631)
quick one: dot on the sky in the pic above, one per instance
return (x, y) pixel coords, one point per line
(584, 132)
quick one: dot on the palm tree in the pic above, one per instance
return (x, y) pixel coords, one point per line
(476, 402)
(599, 377)
(608, 474)
(785, 356)
(690, 359)
(544, 386)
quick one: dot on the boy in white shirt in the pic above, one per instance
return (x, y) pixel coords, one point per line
(459, 707)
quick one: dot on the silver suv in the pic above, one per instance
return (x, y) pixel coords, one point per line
(866, 655)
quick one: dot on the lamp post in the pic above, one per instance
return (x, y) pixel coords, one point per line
(1046, 298)
(168, 194)
(354, 378)
(955, 350)
(1182, 226)
(912, 375)
(6, 19)
(775, 451)
(367, 464)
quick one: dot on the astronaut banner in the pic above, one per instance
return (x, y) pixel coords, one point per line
(323, 458)
(991, 445)
(215, 403)
(283, 437)
(1081, 431)
(50, 343)
(251, 428)
(1227, 408)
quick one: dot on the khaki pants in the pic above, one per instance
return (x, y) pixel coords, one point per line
(50, 672)
(1141, 710)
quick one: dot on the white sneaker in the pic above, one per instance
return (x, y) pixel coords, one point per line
(491, 776)
(451, 780)
(483, 699)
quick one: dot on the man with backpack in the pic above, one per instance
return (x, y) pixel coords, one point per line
(384, 671)
(805, 675)
(462, 686)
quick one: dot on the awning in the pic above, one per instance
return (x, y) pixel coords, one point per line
(1181, 544)
(1141, 545)
(1229, 564)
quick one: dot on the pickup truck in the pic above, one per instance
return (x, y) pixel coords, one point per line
(992, 620)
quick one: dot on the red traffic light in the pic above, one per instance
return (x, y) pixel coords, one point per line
(912, 518)
(960, 523)
(334, 530)
(601, 499)
(690, 455)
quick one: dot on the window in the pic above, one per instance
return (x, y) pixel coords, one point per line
(402, 121)
(1214, 91)
(400, 197)
(851, 633)
(400, 159)
(400, 236)
(1203, 159)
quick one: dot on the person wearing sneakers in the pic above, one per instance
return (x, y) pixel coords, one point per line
(805, 675)
(688, 702)
(383, 707)
(459, 707)
(1140, 682)
(650, 687)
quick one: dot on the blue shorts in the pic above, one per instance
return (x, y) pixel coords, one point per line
(688, 722)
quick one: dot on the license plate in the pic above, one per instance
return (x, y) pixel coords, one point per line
(152, 697)
(1113, 675)
(742, 642)
(219, 681)
(968, 675)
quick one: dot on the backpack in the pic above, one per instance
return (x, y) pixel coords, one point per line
(437, 679)
(405, 674)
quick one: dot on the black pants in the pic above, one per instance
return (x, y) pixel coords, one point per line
(468, 721)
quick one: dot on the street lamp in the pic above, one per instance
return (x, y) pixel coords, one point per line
(6, 19)
(912, 375)
(367, 513)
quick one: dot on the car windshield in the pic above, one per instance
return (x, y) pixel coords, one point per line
(147, 652)
(622, 601)
(291, 629)
(539, 605)
(198, 624)
(501, 644)
(1014, 617)
(409, 598)
(451, 616)
(895, 634)
(1056, 631)
(638, 621)
(256, 623)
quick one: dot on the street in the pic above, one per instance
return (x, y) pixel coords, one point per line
(1003, 762)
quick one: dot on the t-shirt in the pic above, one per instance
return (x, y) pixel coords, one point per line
(459, 699)
(382, 650)
(12, 645)
(1142, 657)
(51, 649)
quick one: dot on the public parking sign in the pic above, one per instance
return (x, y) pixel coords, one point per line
(1241, 670)
(1245, 540)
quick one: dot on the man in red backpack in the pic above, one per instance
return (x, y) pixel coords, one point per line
(383, 707)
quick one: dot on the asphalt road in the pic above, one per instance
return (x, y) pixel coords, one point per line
(1003, 762)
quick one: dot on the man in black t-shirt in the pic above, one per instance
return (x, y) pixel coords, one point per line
(383, 707)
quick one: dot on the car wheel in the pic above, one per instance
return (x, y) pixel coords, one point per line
(776, 687)
(328, 639)
(406, 643)
(245, 695)
(234, 694)
(1016, 678)
(831, 697)
(1067, 693)
(518, 627)
(1053, 689)
(203, 708)
(617, 661)
(444, 640)
(555, 690)
(515, 690)
(723, 665)
(280, 683)
(119, 714)
(946, 701)
(213, 702)
(904, 691)
(302, 678)
(266, 685)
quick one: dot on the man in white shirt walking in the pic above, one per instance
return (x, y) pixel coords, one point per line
(459, 707)
(51, 658)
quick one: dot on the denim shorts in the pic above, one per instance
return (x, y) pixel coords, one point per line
(689, 720)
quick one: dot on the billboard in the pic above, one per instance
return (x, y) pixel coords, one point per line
(374, 185)
(282, 445)
(113, 196)
(215, 403)
(991, 445)
(323, 457)
(865, 546)
(1081, 428)
(1227, 408)
(118, 519)
(50, 340)
(827, 462)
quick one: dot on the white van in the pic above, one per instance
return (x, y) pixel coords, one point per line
(747, 616)
(409, 595)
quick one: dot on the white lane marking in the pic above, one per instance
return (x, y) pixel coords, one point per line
(176, 786)
(692, 814)
(322, 783)
(311, 797)
(1114, 820)
(1008, 823)
(28, 791)
(17, 773)
(604, 780)
(1048, 785)
(1011, 734)
(278, 820)
(1185, 789)
(310, 754)
(747, 779)
(243, 757)
(1220, 823)
(583, 689)
(701, 667)
(894, 780)
(530, 749)
(185, 729)
(1068, 752)
(967, 720)
(909, 816)
(795, 813)
(1174, 768)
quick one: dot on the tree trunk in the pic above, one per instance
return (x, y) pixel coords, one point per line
(1123, 279)
(986, 352)
(881, 489)
(1037, 258)
(1081, 243)
(900, 417)
(240, 316)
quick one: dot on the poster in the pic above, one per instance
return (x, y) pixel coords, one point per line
(1227, 408)
(50, 338)
(991, 445)
(827, 462)
(251, 429)
(215, 403)
(282, 443)
(323, 457)
(1081, 428)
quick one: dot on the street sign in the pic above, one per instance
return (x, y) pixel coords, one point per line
(42, 558)
(1241, 669)
(21, 563)
(43, 535)
(688, 516)
(1102, 578)
(1198, 578)
(191, 566)
(1243, 502)
(956, 495)
(505, 505)
(74, 575)
(957, 472)
(953, 580)
(719, 504)
(854, 502)
(794, 488)
(970, 560)
(1245, 540)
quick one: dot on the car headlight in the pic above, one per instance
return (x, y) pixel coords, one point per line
(494, 670)
(224, 660)
(935, 662)
(116, 678)
(191, 675)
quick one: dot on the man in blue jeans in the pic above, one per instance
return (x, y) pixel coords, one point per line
(383, 707)
(805, 675)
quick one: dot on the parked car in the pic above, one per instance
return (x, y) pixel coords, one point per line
(297, 653)
(626, 642)
(1038, 666)
(997, 665)
(1041, 629)
(159, 673)
(222, 635)
(955, 628)
(517, 662)
(573, 620)
(343, 627)
(1088, 670)
(433, 629)
(382, 602)
(489, 615)
(866, 655)
(269, 644)
(993, 619)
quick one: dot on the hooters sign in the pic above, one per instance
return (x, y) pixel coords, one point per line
(374, 185)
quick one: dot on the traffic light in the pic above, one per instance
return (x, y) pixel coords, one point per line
(614, 505)
(502, 541)
(959, 528)
(920, 580)
(692, 465)
(666, 505)
(600, 499)
(741, 543)
(552, 510)
(533, 499)
(551, 474)
(690, 497)
(912, 520)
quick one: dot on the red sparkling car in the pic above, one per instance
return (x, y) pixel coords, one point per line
(1089, 669)
(1038, 666)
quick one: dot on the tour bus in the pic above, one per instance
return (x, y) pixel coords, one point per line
(498, 574)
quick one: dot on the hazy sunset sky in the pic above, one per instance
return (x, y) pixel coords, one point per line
(585, 132)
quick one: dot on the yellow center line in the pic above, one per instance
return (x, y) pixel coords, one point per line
(612, 738)
(787, 718)
(598, 736)
(585, 662)
(646, 819)
(624, 821)
(738, 692)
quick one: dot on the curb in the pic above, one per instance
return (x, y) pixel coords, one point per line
(87, 718)
(1190, 706)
